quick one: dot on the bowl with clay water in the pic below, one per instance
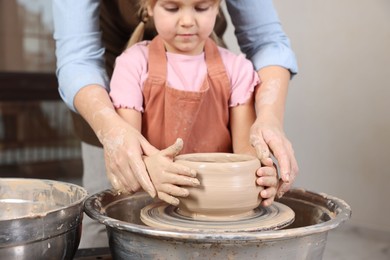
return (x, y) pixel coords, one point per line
(40, 219)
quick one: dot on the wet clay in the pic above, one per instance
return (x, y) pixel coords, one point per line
(227, 190)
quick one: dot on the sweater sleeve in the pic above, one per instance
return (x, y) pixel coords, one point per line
(79, 50)
(260, 34)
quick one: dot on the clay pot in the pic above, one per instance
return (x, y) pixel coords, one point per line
(227, 188)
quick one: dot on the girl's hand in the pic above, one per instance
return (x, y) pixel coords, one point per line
(268, 178)
(167, 176)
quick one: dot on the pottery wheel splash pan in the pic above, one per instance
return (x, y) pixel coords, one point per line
(163, 215)
(316, 214)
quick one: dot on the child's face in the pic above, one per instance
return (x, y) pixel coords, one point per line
(184, 25)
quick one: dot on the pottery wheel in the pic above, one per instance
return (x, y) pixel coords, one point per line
(163, 215)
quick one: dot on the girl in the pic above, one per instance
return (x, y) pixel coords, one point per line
(181, 89)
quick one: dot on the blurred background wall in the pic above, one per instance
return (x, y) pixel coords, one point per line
(36, 132)
(338, 110)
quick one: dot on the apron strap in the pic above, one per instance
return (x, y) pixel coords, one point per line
(157, 61)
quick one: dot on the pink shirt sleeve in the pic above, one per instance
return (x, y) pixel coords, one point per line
(128, 77)
(243, 77)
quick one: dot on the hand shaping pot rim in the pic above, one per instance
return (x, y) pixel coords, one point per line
(227, 190)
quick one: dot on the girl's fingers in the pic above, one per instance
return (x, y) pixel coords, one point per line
(267, 202)
(174, 149)
(177, 179)
(173, 190)
(267, 181)
(267, 193)
(182, 170)
(168, 199)
(266, 172)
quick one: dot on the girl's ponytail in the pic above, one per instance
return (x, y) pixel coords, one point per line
(138, 33)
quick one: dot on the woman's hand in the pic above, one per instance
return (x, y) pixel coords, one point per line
(122, 142)
(268, 137)
(167, 176)
(125, 168)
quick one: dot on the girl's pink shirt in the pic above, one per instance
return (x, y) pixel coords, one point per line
(185, 72)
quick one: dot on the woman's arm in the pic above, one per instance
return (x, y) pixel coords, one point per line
(262, 39)
(79, 49)
(123, 144)
(267, 134)
(260, 34)
(83, 85)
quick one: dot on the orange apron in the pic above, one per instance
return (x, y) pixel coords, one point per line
(201, 118)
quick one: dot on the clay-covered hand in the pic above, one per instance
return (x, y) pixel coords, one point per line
(123, 150)
(268, 178)
(123, 144)
(267, 136)
(169, 177)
